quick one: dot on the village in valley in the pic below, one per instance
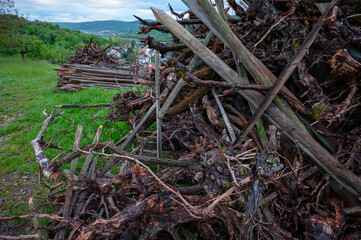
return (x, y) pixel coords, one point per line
(145, 56)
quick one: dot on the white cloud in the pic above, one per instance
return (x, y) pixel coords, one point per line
(92, 10)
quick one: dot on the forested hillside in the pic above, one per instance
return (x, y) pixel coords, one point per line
(41, 40)
(97, 26)
(54, 42)
(113, 28)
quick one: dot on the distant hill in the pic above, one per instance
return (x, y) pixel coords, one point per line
(99, 26)
(123, 29)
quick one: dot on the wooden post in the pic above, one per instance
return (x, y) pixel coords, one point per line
(195, 95)
(157, 95)
(71, 195)
(135, 130)
(84, 172)
(78, 136)
(89, 157)
(242, 71)
(169, 100)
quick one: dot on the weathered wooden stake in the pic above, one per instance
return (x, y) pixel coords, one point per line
(199, 92)
(157, 95)
(71, 195)
(242, 71)
(84, 170)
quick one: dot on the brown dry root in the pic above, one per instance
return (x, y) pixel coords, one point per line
(162, 48)
(345, 71)
(224, 193)
(110, 206)
(92, 54)
(127, 105)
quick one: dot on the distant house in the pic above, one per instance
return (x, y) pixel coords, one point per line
(145, 55)
(115, 51)
(151, 66)
(148, 67)
(143, 58)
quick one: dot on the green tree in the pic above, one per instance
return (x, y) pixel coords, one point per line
(132, 57)
(30, 30)
(9, 24)
(132, 45)
(31, 45)
(117, 41)
(38, 39)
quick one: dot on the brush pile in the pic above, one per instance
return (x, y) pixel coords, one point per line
(91, 54)
(295, 175)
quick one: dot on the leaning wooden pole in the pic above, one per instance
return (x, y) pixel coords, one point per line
(310, 146)
(157, 95)
(242, 71)
(260, 73)
(194, 60)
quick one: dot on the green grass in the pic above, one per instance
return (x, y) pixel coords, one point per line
(26, 90)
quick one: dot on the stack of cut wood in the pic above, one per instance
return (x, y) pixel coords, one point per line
(73, 77)
(91, 66)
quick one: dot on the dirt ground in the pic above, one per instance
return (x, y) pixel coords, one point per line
(15, 190)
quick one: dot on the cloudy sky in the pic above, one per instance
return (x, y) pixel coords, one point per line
(92, 10)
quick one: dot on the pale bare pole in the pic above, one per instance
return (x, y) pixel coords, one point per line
(194, 60)
(225, 117)
(157, 95)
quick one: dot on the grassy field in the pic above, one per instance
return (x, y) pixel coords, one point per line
(26, 90)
